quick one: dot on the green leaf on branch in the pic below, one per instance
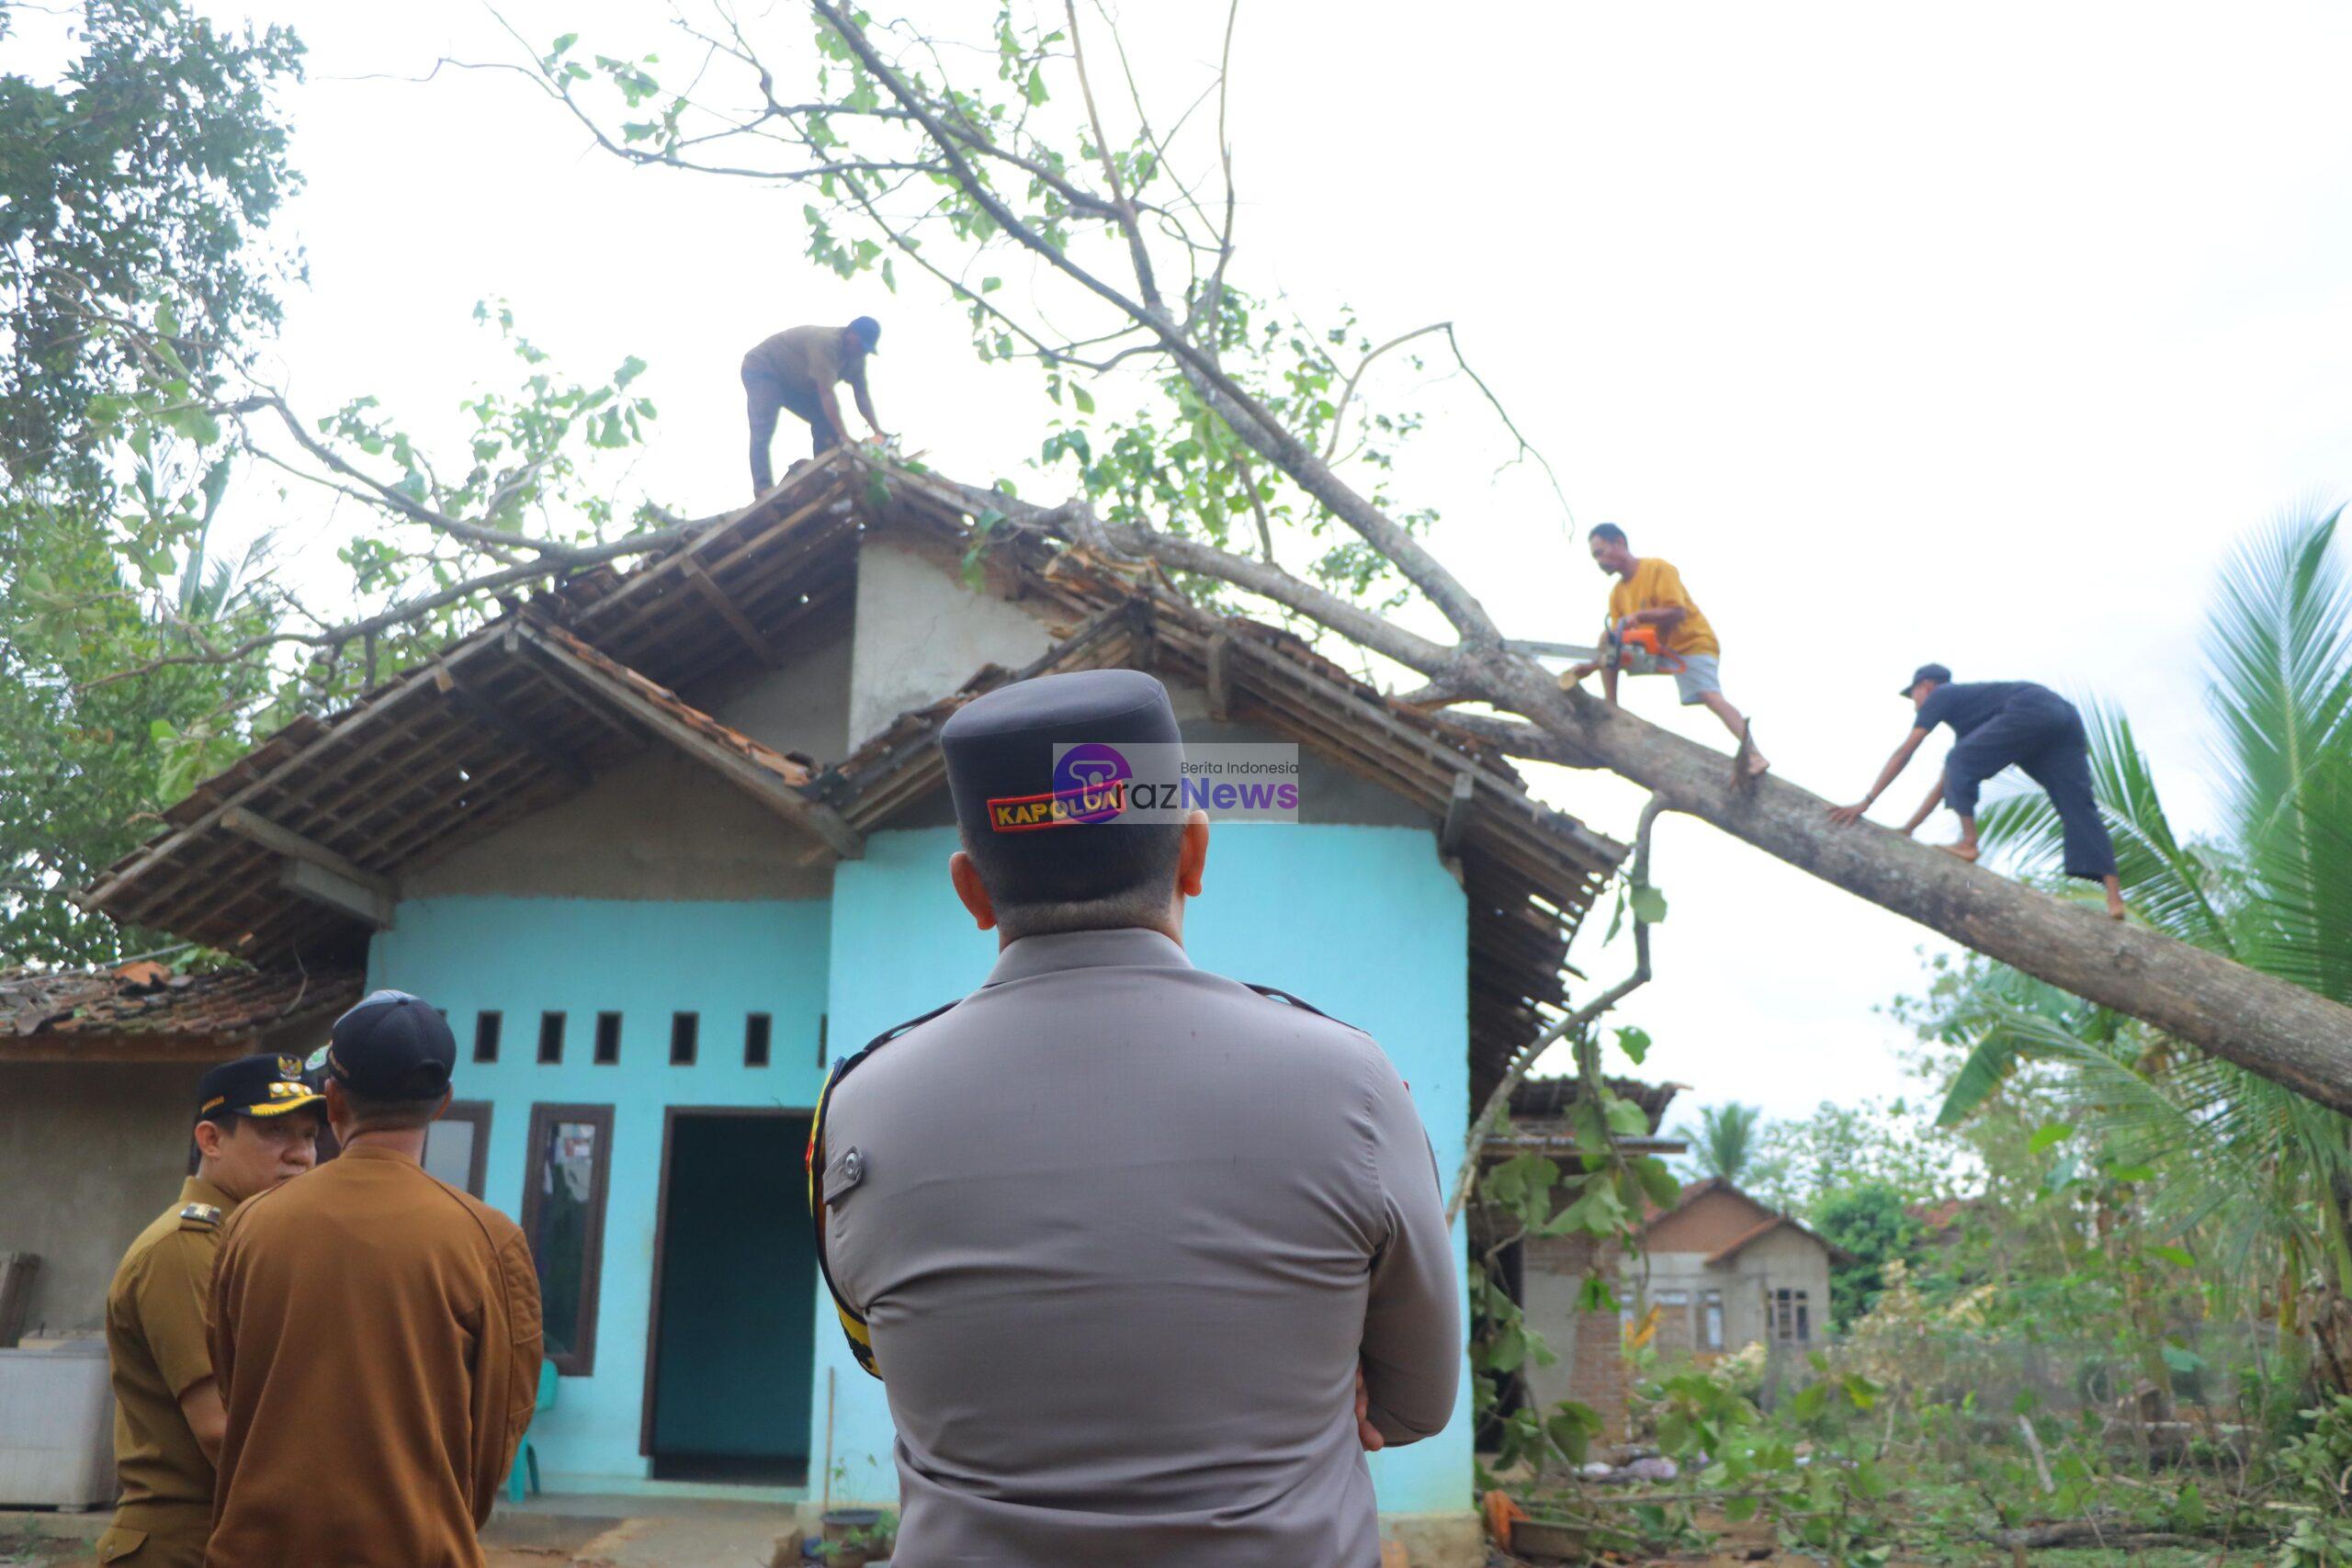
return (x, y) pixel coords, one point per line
(1626, 1119)
(2048, 1136)
(1648, 903)
(1658, 1181)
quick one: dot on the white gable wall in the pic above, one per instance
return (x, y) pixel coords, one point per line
(921, 632)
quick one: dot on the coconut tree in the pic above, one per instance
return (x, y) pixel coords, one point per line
(1723, 1143)
(2271, 888)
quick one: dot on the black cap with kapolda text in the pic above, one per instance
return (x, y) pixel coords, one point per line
(391, 1046)
(1025, 815)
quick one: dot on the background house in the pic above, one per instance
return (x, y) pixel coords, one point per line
(97, 1085)
(1546, 1274)
(661, 843)
(1723, 1271)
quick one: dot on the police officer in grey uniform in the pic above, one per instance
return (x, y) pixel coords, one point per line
(1122, 1236)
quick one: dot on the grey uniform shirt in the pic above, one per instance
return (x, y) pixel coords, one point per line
(1122, 1231)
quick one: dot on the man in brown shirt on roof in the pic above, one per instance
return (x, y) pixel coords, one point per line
(797, 369)
(258, 1126)
(376, 1332)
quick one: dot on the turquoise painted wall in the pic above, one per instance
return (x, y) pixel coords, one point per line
(1362, 921)
(645, 961)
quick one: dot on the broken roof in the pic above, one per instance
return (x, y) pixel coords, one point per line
(294, 850)
(144, 1012)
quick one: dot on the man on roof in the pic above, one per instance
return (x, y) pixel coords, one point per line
(797, 369)
(1650, 596)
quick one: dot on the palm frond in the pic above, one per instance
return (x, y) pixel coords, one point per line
(2280, 642)
(2165, 879)
(2212, 1166)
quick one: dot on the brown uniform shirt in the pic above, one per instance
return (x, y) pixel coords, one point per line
(807, 358)
(377, 1333)
(155, 1347)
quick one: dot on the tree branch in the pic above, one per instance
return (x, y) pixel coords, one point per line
(1577, 1024)
(1247, 417)
(1074, 518)
(1347, 394)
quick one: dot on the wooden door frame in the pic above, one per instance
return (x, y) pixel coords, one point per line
(478, 1112)
(669, 1114)
(580, 1361)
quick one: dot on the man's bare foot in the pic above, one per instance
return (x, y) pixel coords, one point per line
(2115, 910)
(1747, 765)
(1959, 852)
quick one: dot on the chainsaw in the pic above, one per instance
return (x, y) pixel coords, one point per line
(1634, 650)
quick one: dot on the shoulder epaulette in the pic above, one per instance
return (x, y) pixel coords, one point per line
(860, 1344)
(1301, 1004)
(200, 1217)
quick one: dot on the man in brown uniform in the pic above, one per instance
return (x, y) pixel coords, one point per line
(797, 369)
(1147, 1257)
(377, 1331)
(258, 1126)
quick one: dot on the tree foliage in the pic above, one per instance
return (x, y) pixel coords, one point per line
(1872, 1224)
(1723, 1143)
(134, 190)
(2265, 1174)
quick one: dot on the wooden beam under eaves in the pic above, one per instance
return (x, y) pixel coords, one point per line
(1457, 814)
(341, 893)
(812, 816)
(129, 1045)
(1221, 676)
(253, 827)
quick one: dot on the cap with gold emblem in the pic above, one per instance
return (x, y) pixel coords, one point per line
(265, 1085)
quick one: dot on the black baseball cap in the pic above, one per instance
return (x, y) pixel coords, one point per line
(393, 1046)
(265, 1085)
(869, 333)
(1038, 837)
(1935, 672)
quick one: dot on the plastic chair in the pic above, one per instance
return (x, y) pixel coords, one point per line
(526, 1458)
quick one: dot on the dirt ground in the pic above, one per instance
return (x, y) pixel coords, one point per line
(63, 1540)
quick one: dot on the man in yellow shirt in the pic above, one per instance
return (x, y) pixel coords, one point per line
(1650, 593)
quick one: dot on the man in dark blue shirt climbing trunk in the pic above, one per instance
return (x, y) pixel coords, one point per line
(1998, 723)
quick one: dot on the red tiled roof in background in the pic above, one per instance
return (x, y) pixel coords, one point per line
(55, 1016)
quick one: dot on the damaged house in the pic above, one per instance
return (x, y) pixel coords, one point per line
(664, 842)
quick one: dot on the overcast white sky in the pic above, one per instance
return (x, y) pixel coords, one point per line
(1906, 332)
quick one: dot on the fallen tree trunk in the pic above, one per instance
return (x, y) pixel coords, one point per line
(2265, 1025)
(2086, 1532)
(2268, 1026)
